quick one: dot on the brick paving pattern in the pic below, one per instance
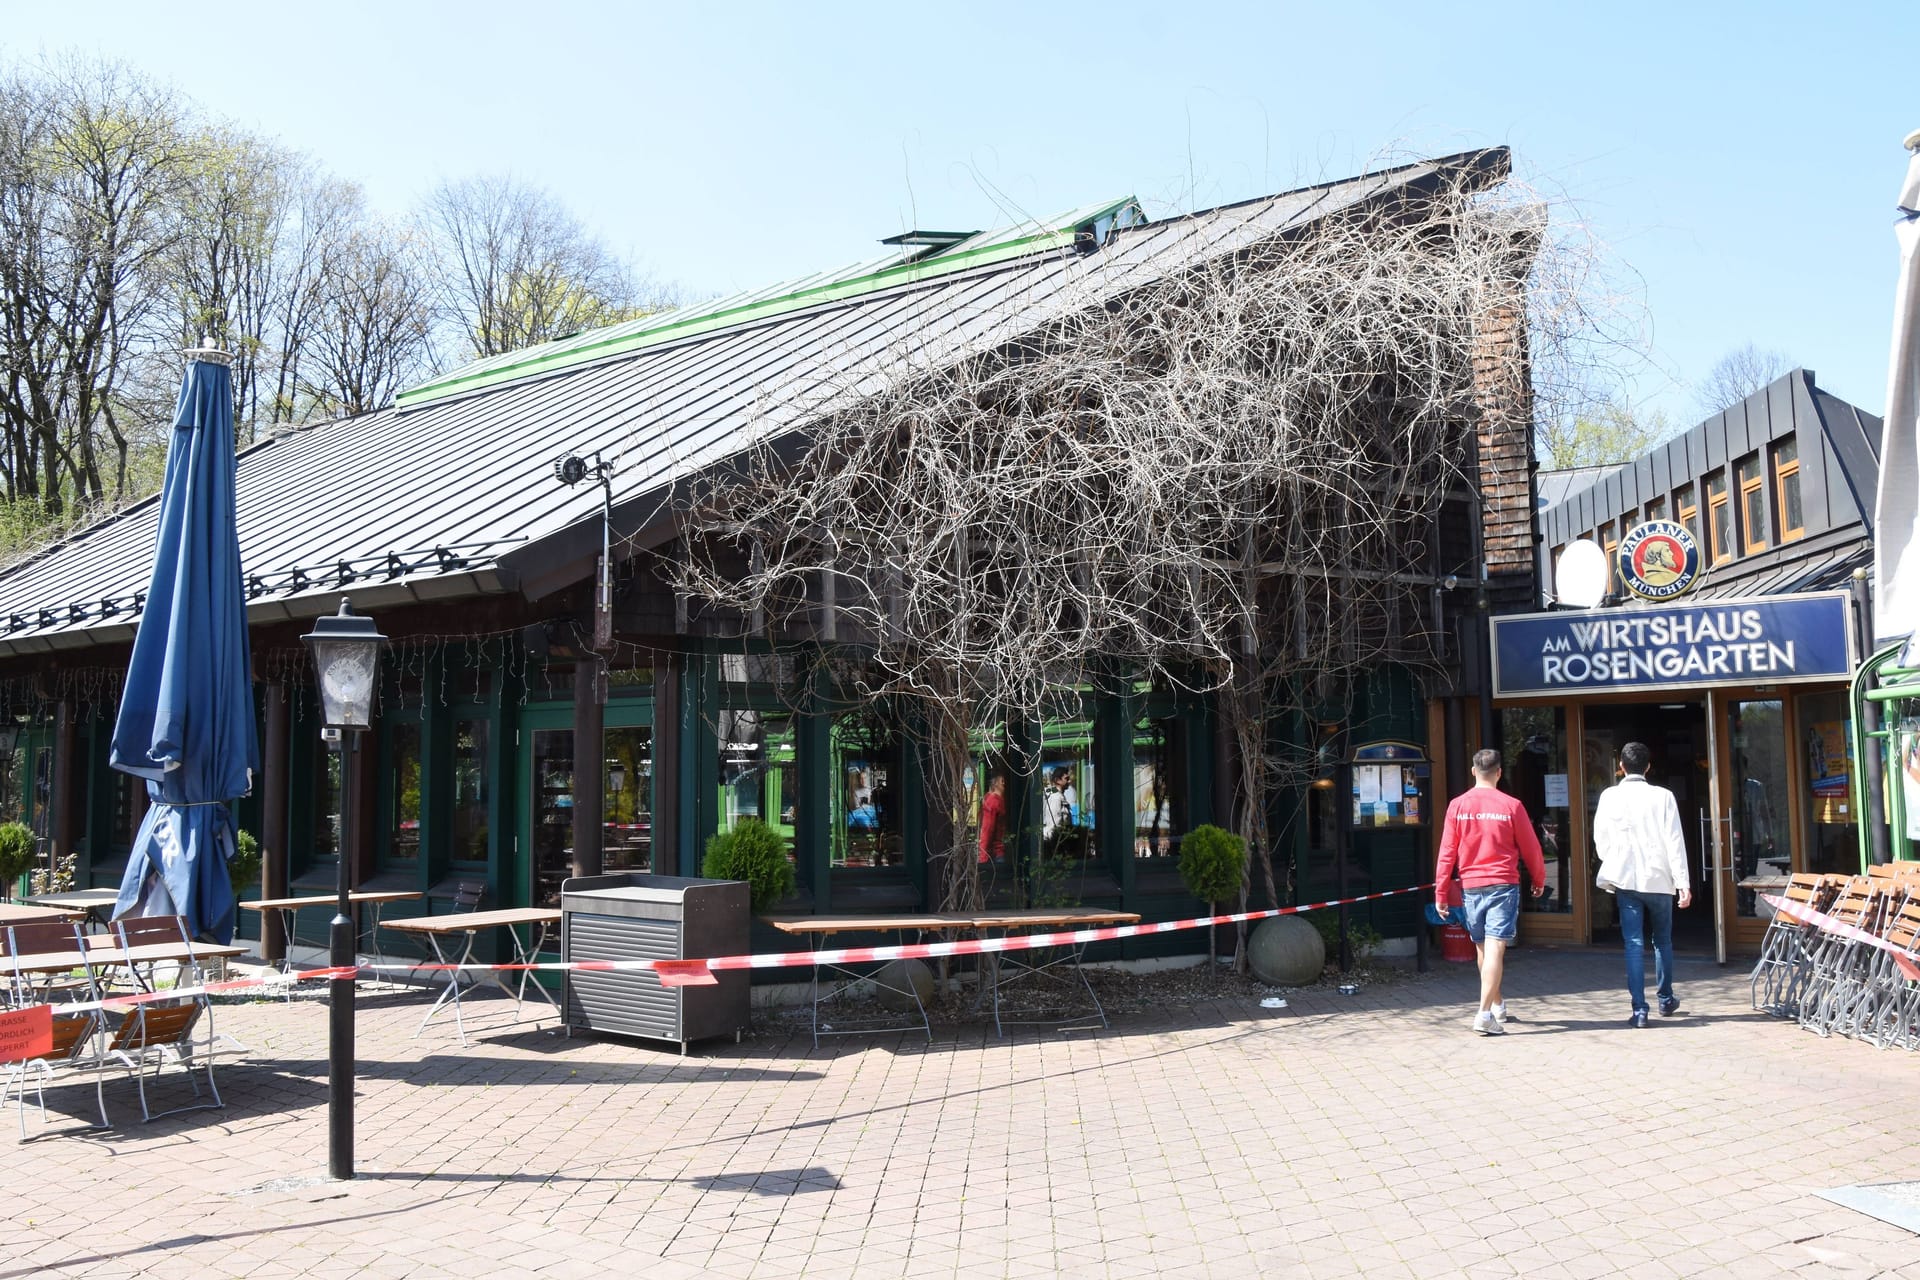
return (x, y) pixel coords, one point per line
(1369, 1135)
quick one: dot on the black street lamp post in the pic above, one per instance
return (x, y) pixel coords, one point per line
(346, 664)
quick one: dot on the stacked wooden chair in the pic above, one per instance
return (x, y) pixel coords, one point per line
(158, 1033)
(77, 1041)
(1856, 972)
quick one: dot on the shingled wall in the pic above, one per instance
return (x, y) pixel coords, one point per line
(1503, 392)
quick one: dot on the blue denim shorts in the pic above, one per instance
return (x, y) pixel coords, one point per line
(1494, 913)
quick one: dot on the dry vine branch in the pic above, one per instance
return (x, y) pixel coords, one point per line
(1228, 479)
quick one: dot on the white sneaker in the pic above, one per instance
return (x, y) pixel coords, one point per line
(1486, 1025)
(1499, 1012)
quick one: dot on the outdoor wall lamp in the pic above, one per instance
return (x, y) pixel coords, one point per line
(346, 664)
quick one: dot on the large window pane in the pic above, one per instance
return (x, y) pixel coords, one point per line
(1833, 831)
(403, 791)
(552, 815)
(1068, 784)
(627, 788)
(468, 820)
(1533, 743)
(1159, 795)
(866, 771)
(326, 804)
(757, 778)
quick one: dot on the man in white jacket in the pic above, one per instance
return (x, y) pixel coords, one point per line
(1643, 862)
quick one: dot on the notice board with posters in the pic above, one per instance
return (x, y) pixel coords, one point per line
(1391, 780)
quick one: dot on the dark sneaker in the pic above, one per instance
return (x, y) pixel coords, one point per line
(1639, 1018)
(1669, 1007)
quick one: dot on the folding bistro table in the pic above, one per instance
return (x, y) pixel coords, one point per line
(1058, 965)
(286, 907)
(467, 925)
(817, 929)
(96, 903)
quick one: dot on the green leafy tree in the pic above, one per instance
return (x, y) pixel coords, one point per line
(1612, 432)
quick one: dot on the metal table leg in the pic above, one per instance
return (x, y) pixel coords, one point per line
(1009, 971)
(522, 955)
(453, 983)
(846, 978)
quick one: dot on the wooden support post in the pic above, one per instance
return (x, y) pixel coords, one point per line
(275, 866)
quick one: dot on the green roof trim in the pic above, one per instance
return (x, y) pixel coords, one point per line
(909, 267)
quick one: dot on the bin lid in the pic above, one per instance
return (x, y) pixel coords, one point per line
(623, 893)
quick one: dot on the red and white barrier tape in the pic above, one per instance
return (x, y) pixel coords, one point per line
(682, 973)
(676, 973)
(1840, 928)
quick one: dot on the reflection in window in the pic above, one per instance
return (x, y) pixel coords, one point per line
(757, 777)
(1159, 801)
(1760, 844)
(129, 808)
(552, 813)
(1688, 512)
(1719, 519)
(1533, 744)
(469, 817)
(1067, 795)
(326, 804)
(403, 786)
(627, 793)
(1753, 504)
(1786, 475)
(866, 808)
(1833, 833)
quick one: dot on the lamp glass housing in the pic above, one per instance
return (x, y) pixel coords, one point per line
(346, 664)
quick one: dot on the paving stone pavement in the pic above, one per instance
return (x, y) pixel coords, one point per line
(1370, 1135)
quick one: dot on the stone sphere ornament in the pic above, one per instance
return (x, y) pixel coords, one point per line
(1286, 951)
(897, 977)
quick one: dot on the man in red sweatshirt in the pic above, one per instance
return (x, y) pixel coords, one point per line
(1488, 832)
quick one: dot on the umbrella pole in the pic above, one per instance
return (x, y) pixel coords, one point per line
(340, 1014)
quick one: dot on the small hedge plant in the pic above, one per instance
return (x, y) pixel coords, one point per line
(753, 852)
(1213, 862)
(16, 854)
(244, 866)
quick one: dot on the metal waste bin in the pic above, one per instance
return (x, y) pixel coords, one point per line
(633, 916)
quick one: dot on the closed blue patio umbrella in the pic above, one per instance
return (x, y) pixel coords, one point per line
(186, 717)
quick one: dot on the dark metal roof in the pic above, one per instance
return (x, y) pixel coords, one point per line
(457, 497)
(1839, 468)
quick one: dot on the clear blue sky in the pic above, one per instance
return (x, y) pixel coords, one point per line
(1741, 160)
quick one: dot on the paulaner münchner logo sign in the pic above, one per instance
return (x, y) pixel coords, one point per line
(1775, 640)
(1659, 559)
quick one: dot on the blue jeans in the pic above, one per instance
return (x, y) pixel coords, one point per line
(1641, 915)
(1493, 913)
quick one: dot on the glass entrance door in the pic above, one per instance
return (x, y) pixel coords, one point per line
(548, 761)
(1675, 734)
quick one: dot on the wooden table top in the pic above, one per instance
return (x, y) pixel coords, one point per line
(21, 913)
(467, 921)
(1078, 917)
(78, 899)
(329, 899)
(864, 924)
(99, 957)
(1018, 918)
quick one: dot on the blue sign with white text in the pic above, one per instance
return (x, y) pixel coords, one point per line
(1781, 640)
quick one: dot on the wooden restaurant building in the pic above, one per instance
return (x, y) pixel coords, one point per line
(1729, 653)
(514, 746)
